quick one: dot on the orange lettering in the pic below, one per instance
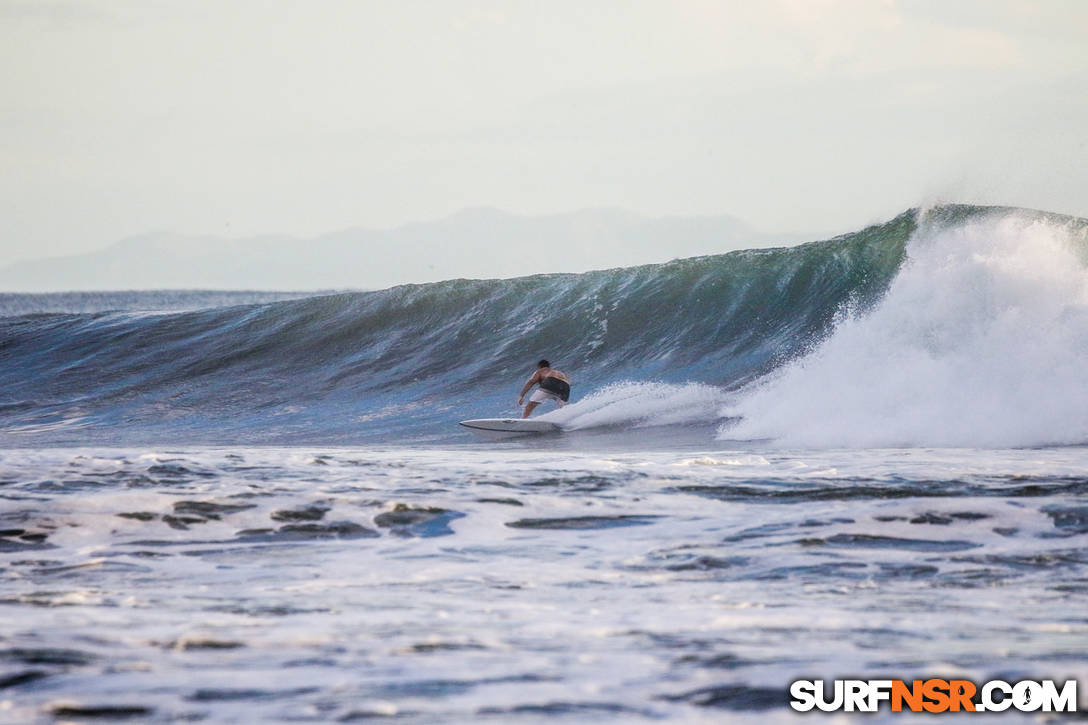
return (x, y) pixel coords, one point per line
(911, 695)
(961, 692)
(936, 691)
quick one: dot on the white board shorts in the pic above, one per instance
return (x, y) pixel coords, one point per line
(543, 396)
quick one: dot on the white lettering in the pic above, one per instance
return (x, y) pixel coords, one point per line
(1027, 696)
(804, 695)
(1064, 701)
(856, 695)
(879, 690)
(829, 705)
(989, 704)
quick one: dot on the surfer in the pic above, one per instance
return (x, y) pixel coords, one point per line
(554, 385)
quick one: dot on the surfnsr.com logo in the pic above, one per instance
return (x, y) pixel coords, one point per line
(933, 695)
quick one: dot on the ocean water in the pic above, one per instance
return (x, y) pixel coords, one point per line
(863, 457)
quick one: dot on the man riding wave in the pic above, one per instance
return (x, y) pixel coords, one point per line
(554, 385)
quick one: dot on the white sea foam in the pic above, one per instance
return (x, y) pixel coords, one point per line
(980, 341)
(745, 460)
(635, 584)
(642, 404)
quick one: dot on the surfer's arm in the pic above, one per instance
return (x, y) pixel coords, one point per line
(532, 381)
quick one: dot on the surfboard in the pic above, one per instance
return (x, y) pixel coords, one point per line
(511, 425)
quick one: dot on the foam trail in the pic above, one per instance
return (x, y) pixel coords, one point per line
(980, 341)
(642, 405)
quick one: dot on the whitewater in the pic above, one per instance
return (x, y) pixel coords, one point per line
(858, 457)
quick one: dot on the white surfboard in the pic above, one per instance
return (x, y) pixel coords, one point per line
(511, 425)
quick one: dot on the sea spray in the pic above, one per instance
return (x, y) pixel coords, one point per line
(629, 404)
(980, 341)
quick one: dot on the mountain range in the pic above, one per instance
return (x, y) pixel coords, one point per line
(474, 243)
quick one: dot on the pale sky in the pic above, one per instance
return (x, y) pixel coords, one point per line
(243, 117)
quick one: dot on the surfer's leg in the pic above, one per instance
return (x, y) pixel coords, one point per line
(529, 407)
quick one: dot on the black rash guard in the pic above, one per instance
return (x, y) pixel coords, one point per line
(556, 385)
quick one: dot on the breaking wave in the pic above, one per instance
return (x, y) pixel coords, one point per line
(949, 326)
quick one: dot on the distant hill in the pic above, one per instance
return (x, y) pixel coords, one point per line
(475, 243)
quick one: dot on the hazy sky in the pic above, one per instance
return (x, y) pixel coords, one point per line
(235, 117)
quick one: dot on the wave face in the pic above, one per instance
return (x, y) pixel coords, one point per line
(409, 361)
(952, 326)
